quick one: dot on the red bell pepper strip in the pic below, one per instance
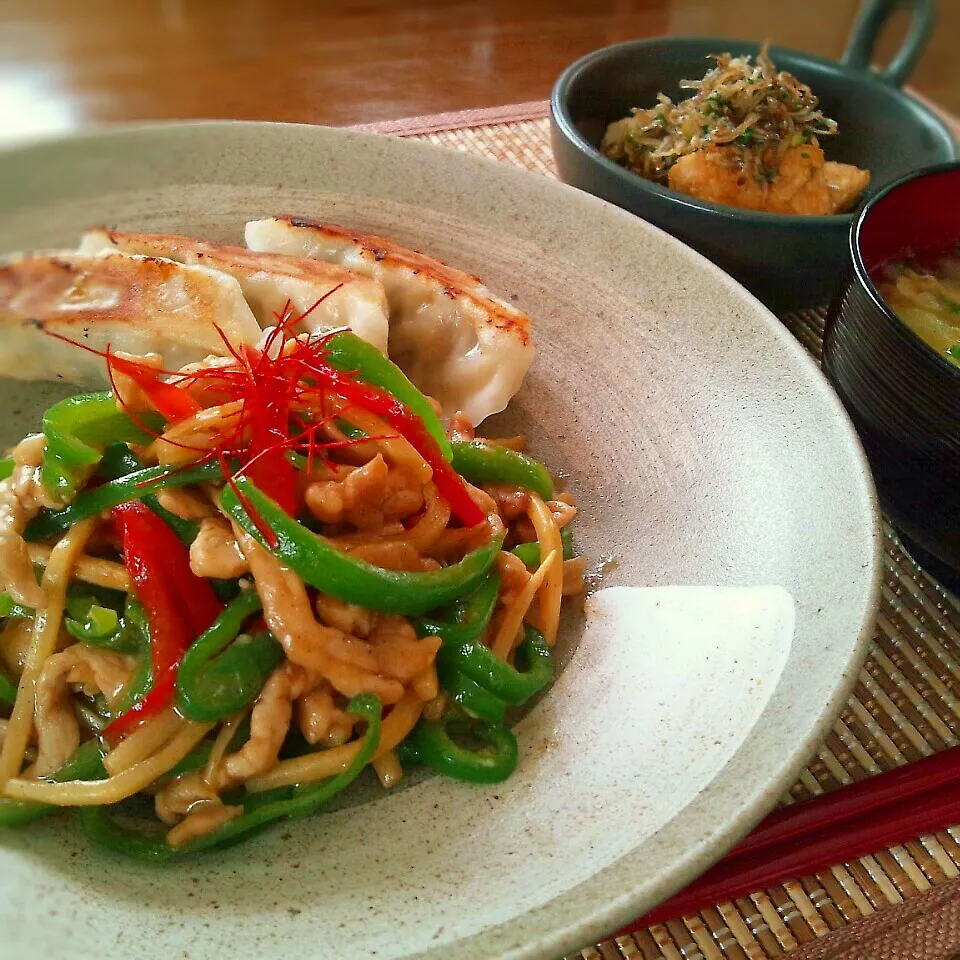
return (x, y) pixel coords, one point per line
(449, 484)
(268, 466)
(272, 472)
(168, 399)
(179, 604)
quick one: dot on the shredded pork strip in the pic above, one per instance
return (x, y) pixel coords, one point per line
(321, 649)
(321, 720)
(513, 576)
(348, 617)
(130, 395)
(214, 551)
(368, 497)
(269, 723)
(22, 497)
(399, 652)
(185, 503)
(203, 818)
(58, 730)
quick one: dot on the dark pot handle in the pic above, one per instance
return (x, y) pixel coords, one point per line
(872, 18)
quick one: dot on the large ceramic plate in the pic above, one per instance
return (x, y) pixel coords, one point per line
(706, 449)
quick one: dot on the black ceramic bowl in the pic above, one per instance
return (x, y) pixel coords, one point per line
(903, 397)
(788, 261)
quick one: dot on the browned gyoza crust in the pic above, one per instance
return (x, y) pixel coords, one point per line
(456, 340)
(136, 304)
(333, 295)
(455, 283)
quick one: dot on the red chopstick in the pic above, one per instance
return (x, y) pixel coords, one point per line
(882, 811)
(848, 803)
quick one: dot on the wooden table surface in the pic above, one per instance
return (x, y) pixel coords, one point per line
(65, 64)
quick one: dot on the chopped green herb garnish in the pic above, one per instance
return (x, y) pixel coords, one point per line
(952, 305)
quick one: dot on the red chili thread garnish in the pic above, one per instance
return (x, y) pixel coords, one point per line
(287, 382)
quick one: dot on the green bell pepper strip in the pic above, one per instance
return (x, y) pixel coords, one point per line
(134, 486)
(85, 592)
(92, 624)
(226, 590)
(319, 563)
(478, 662)
(135, 618)
(186, 530)
(437, 749)
(85, 764)
(481, 463)
(470, 617)
(407, 753)
(8, 691)
(258, 812)
(349, 354)
(99, 626)
(76, 431)
(8, 608)
(139, 686)
(529, 553)
(104, 831)
(120, 461)
(7, 466)
(222, 672)
(474, 700)
(464, 657)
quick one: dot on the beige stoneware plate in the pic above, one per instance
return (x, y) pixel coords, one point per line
(707, 451)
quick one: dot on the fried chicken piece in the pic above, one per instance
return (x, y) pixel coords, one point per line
(804, 182)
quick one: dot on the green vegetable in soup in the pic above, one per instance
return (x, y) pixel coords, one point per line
(926, 297)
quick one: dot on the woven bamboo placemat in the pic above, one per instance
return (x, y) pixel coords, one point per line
(906, 705)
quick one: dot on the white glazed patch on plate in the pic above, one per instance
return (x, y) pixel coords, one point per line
(697, 658)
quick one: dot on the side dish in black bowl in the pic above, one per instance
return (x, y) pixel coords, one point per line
(790, 255)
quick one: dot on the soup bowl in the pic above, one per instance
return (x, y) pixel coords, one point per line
(903, 396)
(787, 261)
